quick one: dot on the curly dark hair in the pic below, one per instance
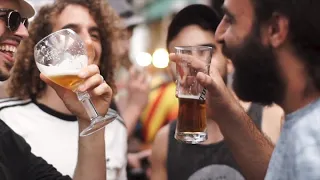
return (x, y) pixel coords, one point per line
(25, 79)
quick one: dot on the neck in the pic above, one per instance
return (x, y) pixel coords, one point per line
(53, 101)
(297, 99)
(299, 91)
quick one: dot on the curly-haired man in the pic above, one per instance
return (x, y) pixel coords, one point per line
(17, 161)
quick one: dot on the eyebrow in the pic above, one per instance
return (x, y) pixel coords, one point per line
(227, 12)
(76, 26)
(71, 26)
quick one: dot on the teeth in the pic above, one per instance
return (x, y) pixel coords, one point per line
(8, 48)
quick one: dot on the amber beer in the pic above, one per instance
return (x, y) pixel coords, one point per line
(69, 80)
(192, 121)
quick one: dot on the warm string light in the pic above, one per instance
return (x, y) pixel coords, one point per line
(159, 59)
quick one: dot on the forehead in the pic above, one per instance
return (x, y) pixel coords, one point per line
(75, 14)
(192, 35)
(10, 4)
(240, 9)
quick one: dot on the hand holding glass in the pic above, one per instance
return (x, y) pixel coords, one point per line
(60, 56)
(192, 121)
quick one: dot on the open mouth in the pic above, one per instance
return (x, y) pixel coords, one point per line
(8, 50)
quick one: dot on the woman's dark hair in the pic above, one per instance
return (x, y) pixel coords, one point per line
(197, 14)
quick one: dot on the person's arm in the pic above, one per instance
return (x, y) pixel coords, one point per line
(250, 148)
(138, 92)
(91, 156)
(91, 163)
(116, 140)
(131, 116)
(159, 155)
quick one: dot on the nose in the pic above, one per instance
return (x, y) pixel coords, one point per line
(85, 36)
(22, 31)
(220, 32)
(90, 50)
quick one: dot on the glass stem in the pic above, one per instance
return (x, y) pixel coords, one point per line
(84, 97)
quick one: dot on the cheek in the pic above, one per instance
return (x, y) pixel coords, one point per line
(98, 53)
(3, 28)
(231, 37)
(218, 62)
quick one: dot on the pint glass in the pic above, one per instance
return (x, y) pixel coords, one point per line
(192, 122)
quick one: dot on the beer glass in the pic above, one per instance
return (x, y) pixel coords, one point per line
(192, 122)
(60, 56)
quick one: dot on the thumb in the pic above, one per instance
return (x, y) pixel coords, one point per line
(206, 81)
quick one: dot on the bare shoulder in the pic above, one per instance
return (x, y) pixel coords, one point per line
(161, 139)
(272, 121)
(160, 144)
(159, 154)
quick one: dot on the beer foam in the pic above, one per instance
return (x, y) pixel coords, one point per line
(188, 96)
(66, 67)
(55, 71)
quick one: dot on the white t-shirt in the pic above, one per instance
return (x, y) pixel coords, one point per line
(54, 136)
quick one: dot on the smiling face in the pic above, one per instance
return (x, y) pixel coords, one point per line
(257, 74)
(77, 18)
(9, 41)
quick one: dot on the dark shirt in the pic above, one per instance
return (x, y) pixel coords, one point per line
(200, 162)
(205, 162)
(18, 163)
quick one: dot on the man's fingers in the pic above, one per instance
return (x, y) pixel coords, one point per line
(91, 82)
(206, 81)
(174, 58)
(102, 89)
(89, 71)
(132, 71)
(190, 61)
(141, 78)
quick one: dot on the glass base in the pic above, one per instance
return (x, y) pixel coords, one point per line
(97, 124)
(191, 137)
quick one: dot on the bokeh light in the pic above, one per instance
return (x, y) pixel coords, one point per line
(160, 58)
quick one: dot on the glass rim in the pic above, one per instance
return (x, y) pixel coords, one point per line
(193, 48)
(53, 33)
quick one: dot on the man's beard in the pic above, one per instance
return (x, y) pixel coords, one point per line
(257, 75)
(5, 71)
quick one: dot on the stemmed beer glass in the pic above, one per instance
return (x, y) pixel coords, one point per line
(60, 56)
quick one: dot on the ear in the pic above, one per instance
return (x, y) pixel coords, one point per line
(278, 29)
(230, 68)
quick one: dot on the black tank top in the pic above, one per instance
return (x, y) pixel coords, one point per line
(204, 162)
(255, 112)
